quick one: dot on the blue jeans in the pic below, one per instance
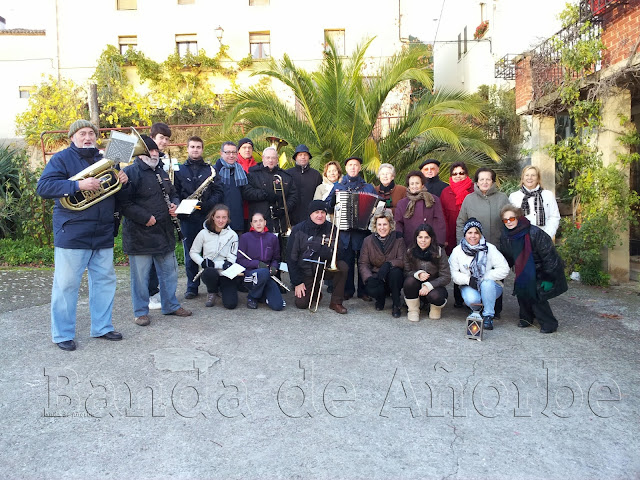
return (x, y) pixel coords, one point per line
(261, 285)
(167, 268)
(489, 291)
(70, 265)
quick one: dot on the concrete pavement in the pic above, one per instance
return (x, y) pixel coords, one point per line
(257, 394)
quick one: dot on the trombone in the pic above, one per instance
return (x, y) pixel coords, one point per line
(332, 267)
(280, 188)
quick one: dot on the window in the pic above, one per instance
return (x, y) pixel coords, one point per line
(25, 92)
(337, 38)
(459, 46)
(126, 42)
(127, 4)
(186, 2)
(465, 39)
(260, 44)
(483, 7)
(187, 44)
(258, 3)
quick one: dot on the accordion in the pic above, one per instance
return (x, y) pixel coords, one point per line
(356, 209)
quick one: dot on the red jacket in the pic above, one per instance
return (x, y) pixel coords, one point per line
(451, 211)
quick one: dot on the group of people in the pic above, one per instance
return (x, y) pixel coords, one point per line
(256, 215)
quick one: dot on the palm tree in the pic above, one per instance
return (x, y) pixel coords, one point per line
(339, 109)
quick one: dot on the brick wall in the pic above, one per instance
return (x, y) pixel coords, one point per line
(621, 30)
(524, 90)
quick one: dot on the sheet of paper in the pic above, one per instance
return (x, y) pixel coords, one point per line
(187, 206)
(233, 271)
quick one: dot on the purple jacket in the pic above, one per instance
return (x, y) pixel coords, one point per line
(260, 247)
(432, 216)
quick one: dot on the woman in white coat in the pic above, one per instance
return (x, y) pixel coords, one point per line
(539, 205)
(479, 268)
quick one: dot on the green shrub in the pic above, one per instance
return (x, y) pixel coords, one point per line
(24, 252)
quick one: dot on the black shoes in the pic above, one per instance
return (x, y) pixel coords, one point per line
(458, 305)
(252, 303)
(113, 335)
(548, 330)
(524, 323)
(189, 295)
(67, 345)
(487, 322)
(395, 311)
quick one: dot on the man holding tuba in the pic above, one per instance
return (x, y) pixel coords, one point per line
(83, 239)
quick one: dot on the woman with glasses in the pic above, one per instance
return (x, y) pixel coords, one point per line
(460, 185)
(388, 190)
(538, 267)
(539, 205)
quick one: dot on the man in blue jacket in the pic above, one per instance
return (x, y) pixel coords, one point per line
(82, 240)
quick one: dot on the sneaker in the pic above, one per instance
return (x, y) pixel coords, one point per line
(154, 302)
(252, 303)
(142, 320)
(181, 312)
(211, 300)
(487, 322)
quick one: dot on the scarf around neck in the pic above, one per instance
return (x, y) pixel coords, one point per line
(423, 195)
(478, 266)
(238, 173)
(461, 190)
(425, 255)
(525, 267)
(538, 205)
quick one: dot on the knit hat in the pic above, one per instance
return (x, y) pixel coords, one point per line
(78, 124)
(353, 158)
(472, 222)
(148, 141)
(242, 141)
(428, 161)
(301, 148)
(317, 205)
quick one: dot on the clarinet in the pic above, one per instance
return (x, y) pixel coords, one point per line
(168, 202)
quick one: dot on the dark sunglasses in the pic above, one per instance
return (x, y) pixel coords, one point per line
(457, 173)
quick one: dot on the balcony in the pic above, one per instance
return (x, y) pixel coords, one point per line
(505, 68)
(599, 7)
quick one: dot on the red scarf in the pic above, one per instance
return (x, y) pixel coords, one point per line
(461, 190)
(246, 163)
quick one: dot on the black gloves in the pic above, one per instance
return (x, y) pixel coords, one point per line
(473, 283)
(278, 212)
(273, 271)
(325, 253)
(384, 271)
(206, 263)
(262, 265)
(226, 264)
(271, 196)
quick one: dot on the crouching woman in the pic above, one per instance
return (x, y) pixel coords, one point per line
(215, 249)
(539, 268)
(426, 272)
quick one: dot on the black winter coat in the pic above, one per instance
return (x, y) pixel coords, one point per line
(304, 243)
(306, 180)
(232, 196)
(549, 265)
(187, 179)
(139, 200)
(260, 188)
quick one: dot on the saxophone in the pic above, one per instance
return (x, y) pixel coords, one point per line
(200, 190)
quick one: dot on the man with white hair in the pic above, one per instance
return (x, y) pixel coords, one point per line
(267, 182)
(83, 239)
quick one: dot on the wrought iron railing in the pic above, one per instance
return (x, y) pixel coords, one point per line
(598, 7)
(546, 68)
(505, 68)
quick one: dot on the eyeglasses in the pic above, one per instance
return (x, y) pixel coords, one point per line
(457, 173)
(229, 153)
(507, 220)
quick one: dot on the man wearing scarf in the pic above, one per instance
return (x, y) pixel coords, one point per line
(234, 180)
(191, 174)
(148, 234)
(246, 161)
(82, 240)
(306, 180)
(306, 249)
(351, 240)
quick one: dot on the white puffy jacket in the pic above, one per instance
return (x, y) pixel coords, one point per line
(497, 266)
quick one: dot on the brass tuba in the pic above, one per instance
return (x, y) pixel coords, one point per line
(121, 149)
